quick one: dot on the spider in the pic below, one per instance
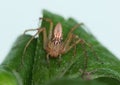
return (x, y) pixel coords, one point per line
(53, 44)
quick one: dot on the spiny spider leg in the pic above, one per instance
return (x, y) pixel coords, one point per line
(75, 43)
(93, 51)
(85, 59)
(69, 36)
(47, 57)
(22, 58)
(44, 40)
(90, 46)
(59, 59)
(30, 30)
(81, 41)
(50, 28)
(49, 36)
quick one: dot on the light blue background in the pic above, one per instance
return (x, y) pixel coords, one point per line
(102, 17)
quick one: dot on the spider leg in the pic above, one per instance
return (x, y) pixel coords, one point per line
(60, 59)
(75, 27)
(51, 27)
(67, 42)
(85, 60)
(44, 41)
(30, 30)
(68, 39)
(74, 51)
(93, 51)
(47, 57)
(68, 46)
(81, 41)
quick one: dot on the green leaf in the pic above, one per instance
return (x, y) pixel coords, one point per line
(74, 82)
(12, 63)
(108, 80)
(38, 71)
(7, 78)
(70, 66)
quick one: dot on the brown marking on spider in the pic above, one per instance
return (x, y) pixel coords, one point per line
(53, 43)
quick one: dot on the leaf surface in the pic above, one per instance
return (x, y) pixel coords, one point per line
(71, 65)
(12, 63)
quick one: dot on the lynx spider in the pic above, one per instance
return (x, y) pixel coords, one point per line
(53, 43)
